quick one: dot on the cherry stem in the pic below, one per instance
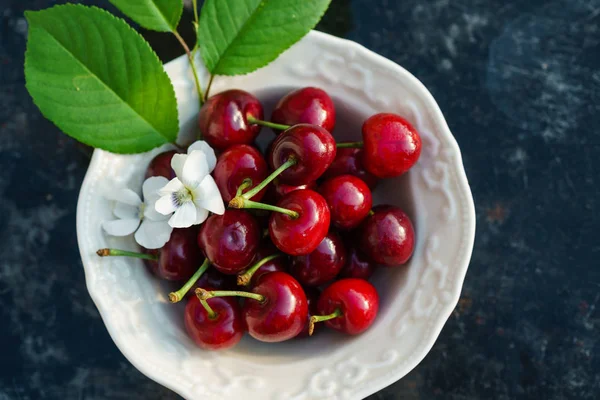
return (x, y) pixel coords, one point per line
(211, 313)
(352, 145)
(273, 125)
(251, 193)
(125, 253)
(240, 202)
(246, 183)
(245, 278)
(177, 296)
(205, 294)
(371, 213)
(319, 318)
(210, 82)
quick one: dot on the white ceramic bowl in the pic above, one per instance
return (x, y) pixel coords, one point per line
(416, 300)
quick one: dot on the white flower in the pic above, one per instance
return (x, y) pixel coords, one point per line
(154, 230)
(193, 193)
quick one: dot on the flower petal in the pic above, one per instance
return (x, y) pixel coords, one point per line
(201, 215)
(184, 217)
(152, 186)
(211, 158)
(153, 234)
(207, 196)
(124, 195)
(125, 211)
(120, 227)
(195, 169)
(177, 163)
(173, 186)
(165, 205)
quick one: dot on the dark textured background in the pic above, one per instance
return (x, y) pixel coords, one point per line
(519, 83)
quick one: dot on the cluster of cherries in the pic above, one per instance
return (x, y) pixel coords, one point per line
(301, 237)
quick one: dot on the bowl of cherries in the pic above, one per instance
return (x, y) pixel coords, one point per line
(346, 235)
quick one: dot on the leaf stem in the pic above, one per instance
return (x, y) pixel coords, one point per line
(273, 125)
(192, 65)
(346, 145)
(125, 253)
(205, 294)
(210, 82)
(245, 278)
(195, 5)
(177, 296)
(318, 318)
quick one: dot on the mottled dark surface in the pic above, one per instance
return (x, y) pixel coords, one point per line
(519, 82)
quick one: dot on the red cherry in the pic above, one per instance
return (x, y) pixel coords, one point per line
(387, 236)
(357, 265)
(212, 278)
(348, 305)
(235, 165)
(308, 105)
(312, 298)
(230, 241)
(313, 149)
(277, 190)
(391, 145)
(224, 119)
(349, 200)
(301, 235)
(283, 312)
(160, 165)
(350, 161)
(218, 331)
(323, 264)
(179, 258)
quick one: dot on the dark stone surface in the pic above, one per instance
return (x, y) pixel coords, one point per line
(519, 83)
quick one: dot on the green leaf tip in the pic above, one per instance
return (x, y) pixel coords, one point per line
(156, 15)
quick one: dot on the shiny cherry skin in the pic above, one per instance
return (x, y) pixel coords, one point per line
(223, 331)
(387, 237)
(302, 235)
(160, 165)
(278, 189)
(236, 164)
(349, 200)
(358, 301)
(350, 161)
(311, 146)
(309, 105)
(312, 297)
(224, 119)
(357, 265)
(179, 258)
(391, 145)
(230, 241)
(323, 264)
(283, 313)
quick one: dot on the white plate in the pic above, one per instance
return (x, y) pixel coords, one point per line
(415, 301)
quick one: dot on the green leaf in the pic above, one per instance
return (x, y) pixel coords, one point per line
(98, 80)
(156, 15)
(240, 36)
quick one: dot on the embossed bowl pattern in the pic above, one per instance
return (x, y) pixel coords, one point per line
(416, 299)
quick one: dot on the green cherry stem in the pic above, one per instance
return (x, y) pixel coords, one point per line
(245, 185)
(371, 213)
(205, 294)
(245, 278)
(351, 145)
(319, 318)
(211, 313)
(240, 202)
(125, 253)
(268, 124)
(177, 296)
(251, 193)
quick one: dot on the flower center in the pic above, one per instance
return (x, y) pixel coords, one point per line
(182, 196)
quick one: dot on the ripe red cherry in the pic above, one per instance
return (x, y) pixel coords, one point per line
(348, 305)
(160, 165)
(349, 200)
(323, 264)
(278, 190)
(179, 258)
(301, 235)
(235, 165)
(283, 312)
(357, 265)
(391, 145)
(387, 237)
(219, 330)
(308, 105)
(350, 161)
(312, 298)
(214, 279)
(230, 241)
(313, 149)
(224, 119)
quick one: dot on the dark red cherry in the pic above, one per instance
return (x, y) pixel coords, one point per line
(160, 165)
(387, 237)
(311, 146)
(218, 331)
(312, 298)
(283, 312)
(308, 105)
(391, 145)
(224, 119)
(230, 241)
(323, 264)
(349, 200)
(235, 165)
(357, 265)
(279, 189)
(268, 259)
(348, 305)
(179, 258)
(215, 280)
(350, 161)
(301, 235)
